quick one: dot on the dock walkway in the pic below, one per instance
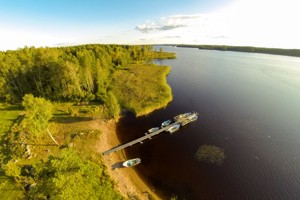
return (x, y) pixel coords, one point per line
(138, 140)
(182, 120)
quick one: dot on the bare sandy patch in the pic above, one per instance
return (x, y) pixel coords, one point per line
(128, 183)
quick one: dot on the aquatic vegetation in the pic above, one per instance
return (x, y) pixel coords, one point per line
(142, 88)
(210, 154)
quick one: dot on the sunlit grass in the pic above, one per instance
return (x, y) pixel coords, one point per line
(8, 115)
(142, 88)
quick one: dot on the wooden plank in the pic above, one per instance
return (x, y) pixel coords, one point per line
(181, 122)
(138, 140)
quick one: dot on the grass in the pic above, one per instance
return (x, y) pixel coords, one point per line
(9, 190)
(8, 115)
(80, 132)
(142, 88)
(160, 55)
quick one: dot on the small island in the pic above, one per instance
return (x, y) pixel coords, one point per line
(58, 111)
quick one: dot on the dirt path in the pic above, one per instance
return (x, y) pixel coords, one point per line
(128, 183)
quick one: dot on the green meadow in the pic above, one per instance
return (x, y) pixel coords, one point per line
(142, 88)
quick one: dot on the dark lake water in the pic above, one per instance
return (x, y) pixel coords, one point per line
(248, 104)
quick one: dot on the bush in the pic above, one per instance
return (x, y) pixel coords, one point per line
(112, 105)
(38, 112)
(12, 169)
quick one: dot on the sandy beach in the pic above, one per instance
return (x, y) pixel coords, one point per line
(127, 181)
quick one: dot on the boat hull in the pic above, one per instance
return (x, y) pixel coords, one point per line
(132, 162)
(173, 128)
(166, 123)
(151, 130)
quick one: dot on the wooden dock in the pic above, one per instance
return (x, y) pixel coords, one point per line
(138, 140)
(181, 120)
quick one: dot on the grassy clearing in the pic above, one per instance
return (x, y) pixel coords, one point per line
(76, 127)
(9, 190)
(142, 88)
(8, 115)
(160, 55)
(81, 132)
(73, 126)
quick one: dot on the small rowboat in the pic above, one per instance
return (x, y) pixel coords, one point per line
(166, 123)
(151, 130)
(173, 128)
(132, 162)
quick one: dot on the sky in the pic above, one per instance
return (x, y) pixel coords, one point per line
(261, 23)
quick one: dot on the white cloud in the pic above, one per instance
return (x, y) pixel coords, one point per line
(170, 22)
(265, 23)
(18, 37)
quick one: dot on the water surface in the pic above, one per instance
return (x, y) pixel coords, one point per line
(249, 105)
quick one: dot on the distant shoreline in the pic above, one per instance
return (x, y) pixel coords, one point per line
(248, 49)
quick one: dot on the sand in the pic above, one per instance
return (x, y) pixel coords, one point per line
(127, 181)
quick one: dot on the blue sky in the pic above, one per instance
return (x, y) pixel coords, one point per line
(270, 23)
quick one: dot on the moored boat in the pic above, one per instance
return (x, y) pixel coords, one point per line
(182, 116)
(177, 117)
(193, 117)
(131, 162)
(166, 123)
(173, 128)
(186, 116)
(151, 130)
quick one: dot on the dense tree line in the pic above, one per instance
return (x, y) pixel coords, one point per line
(275, 51)
(66, 73)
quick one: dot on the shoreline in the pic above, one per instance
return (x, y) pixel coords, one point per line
(126, 180)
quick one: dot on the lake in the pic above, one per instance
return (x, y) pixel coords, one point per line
(248, 104)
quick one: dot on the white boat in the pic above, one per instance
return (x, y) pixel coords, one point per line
(151, 130)
(182, 116)
(193, 117)
(166, 123)
(132, 162)
(173, 128)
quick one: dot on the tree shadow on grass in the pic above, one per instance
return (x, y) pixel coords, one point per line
(11, 108)
(69, 119)
(33, 144)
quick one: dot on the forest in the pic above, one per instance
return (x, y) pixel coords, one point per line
(52, 103)
(249, 49)
(68, 73)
